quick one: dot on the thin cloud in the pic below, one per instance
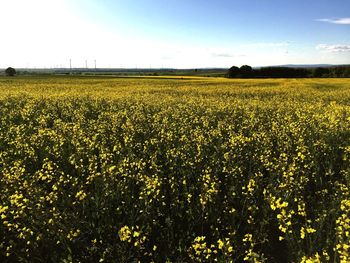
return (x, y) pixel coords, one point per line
(268, 44)
(333, 48)
(339, 21)
(226, 55)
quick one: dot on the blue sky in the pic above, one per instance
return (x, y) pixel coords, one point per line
(174, 33)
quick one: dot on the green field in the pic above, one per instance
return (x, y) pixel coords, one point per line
(177, 169)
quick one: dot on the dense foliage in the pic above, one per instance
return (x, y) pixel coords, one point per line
(180, 170)
(10, 72)
(289, 72)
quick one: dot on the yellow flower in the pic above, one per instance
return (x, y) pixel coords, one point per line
(3, 209)
(220, 244)
(125, 234)
(310, 230)
(80, 195)
(302, 233)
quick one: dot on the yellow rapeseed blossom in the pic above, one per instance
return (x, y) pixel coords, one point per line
(214, 169)
(125, 234)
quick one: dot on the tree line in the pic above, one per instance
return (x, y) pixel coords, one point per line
(246, 71)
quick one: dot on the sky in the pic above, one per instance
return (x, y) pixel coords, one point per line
(173, 33)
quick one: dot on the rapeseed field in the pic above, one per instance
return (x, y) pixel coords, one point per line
(103, 169)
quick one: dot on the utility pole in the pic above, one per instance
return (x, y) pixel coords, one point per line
(95, 64)
(70, 64)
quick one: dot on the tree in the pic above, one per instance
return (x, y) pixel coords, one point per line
(10, 72)
(233, 72)
(246, 71)
(320, 72)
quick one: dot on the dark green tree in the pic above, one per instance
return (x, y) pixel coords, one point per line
(10, 72)
(233, 72)
(246, 71)
(320, 72)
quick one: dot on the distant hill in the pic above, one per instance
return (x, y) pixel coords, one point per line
(307, 65)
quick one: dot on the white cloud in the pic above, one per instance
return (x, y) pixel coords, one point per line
(340, 21)
(333, 48)
(268, 44)
(226, 55)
